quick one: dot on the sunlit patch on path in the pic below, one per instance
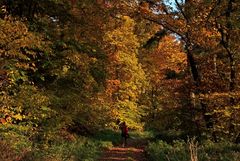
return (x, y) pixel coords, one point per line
(133, 152)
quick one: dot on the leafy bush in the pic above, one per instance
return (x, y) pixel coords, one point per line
(224, 151)
(16, 136)
(83, 149)
(18, 143)
(142, 134)
(160, 150)
(180, 151)
(108, 137)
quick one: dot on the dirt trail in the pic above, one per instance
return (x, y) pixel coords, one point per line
(134, 151)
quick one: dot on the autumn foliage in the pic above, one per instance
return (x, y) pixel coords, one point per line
(73, 68)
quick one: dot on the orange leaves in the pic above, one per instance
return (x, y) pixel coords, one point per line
(112, 86)
(169, 55)
(204, 37)
(3, 121)
(164, 66)
(144, 7)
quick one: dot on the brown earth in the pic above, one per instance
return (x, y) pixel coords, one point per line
(134, 151)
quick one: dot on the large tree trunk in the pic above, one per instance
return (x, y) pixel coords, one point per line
(225, 41)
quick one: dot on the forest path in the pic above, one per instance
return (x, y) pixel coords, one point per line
(134, 151)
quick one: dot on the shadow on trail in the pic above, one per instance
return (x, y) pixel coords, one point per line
(109, 136)
(133, 151)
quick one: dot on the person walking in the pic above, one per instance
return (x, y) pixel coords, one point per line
(124, 133)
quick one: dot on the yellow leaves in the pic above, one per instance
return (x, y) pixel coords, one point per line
(123, 38)
(220, 95)
(237, 107)
(25, 66)
(65, 69)
(129, 112)
(17, 43)
(227, 113)
(128, 22)
(124, 58)
(18, 117)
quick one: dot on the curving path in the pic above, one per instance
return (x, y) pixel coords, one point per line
(133, 152)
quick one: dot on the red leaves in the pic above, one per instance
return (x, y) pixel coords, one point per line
(73, 2)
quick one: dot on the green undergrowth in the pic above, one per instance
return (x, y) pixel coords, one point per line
(28, 143)
(82, 149)
(110, 137)
(180, 150)
(142, 134)
(23, 143)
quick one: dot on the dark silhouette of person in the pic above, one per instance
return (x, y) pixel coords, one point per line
(124, 133)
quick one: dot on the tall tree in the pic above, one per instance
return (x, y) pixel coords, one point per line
(126, 68)
(192, 22)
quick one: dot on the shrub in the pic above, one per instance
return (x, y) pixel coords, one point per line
(182, 151)
(160, 150)
(82, 149)
(18, 143)
(108, 135)
(223, 151)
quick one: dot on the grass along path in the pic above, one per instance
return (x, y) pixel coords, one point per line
(134, 151)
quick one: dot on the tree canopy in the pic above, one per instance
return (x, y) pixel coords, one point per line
(79, 66)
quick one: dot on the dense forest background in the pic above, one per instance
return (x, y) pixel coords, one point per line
(73, 68)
